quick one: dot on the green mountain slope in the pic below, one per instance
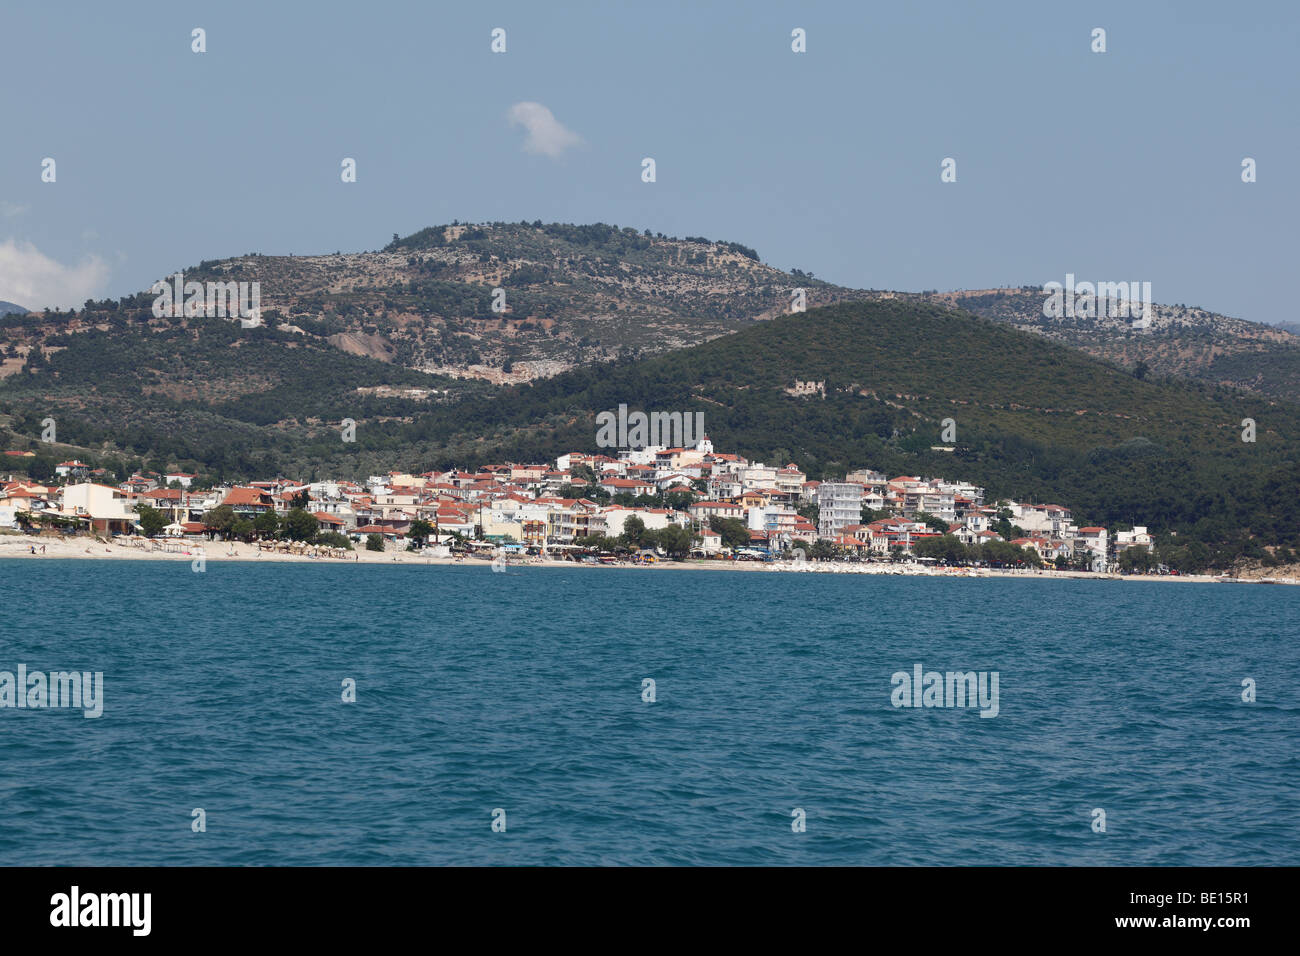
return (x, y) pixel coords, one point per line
(1180, 340)
(208, 397)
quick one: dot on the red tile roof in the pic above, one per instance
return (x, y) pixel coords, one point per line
(246, 496)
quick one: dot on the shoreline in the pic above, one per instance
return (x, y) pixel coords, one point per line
(19, 546)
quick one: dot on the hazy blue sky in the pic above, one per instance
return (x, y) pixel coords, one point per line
(1117, 166)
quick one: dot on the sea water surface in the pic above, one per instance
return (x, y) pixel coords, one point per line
(523, 692)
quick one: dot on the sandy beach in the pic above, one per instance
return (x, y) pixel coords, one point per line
(20, 546)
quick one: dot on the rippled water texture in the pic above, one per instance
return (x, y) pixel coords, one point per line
(523, 691)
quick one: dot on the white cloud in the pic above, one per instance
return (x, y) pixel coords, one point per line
(32, 279)
(9, 209)
(546, 135)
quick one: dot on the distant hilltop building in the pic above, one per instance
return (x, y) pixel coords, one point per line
(807, 388)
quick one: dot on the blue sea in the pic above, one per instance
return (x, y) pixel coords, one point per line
(523, 692)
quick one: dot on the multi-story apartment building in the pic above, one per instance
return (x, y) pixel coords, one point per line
(757, 476)
(839, 505)
(790, 479)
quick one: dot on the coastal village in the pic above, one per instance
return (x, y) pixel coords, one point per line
(590, 507)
